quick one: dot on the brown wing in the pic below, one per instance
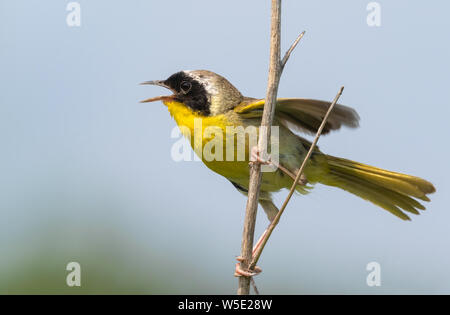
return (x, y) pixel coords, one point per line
(302, 114)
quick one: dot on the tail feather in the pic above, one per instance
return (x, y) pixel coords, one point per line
(389, 190)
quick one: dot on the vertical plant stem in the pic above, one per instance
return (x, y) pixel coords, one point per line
(264, 136)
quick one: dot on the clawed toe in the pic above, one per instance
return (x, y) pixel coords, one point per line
(255, 157)
(239, 272)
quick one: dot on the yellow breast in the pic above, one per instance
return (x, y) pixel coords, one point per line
(210, 139)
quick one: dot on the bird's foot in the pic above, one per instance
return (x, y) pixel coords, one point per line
(256, 158)
(239, 272)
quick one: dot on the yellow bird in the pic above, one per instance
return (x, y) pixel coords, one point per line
(207, 98)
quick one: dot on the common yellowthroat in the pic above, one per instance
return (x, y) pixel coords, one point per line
(205, 95)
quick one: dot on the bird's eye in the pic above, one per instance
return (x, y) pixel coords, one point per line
(185, 87)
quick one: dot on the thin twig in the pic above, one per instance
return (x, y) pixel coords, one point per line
(255, 288)
(289, 51)
(275, 221)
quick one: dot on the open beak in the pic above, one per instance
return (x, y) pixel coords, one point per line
(157, 98)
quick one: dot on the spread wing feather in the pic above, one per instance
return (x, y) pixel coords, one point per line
(302, 114)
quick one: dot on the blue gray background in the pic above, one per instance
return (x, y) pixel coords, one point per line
(86, 172)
